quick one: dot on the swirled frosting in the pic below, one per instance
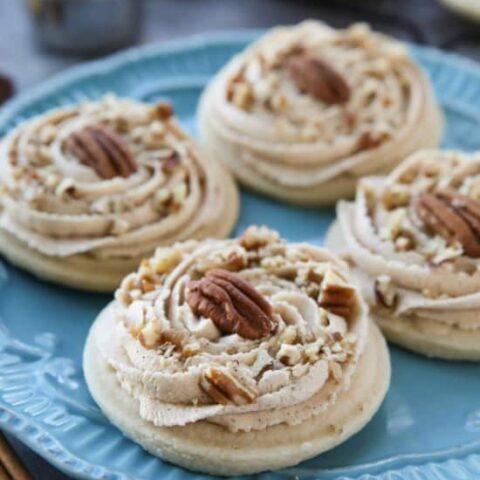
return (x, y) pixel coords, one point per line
(54, 200)
(182, 367)
(269, 129)
(413, 236)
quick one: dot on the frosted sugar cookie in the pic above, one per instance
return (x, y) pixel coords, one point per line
(414, 241)
(89, 190)
(237, 356)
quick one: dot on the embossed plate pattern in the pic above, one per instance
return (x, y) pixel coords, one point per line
(429, 426)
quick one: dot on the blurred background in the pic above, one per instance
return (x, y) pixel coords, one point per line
(39, 38)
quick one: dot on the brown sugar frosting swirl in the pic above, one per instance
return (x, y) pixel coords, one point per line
(245, 333)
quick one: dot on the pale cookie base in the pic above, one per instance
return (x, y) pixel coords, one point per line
(209, 448)
(104, 275)
(430, 338)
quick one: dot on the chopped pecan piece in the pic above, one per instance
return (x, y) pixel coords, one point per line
(175, 337)
(289, 354)
(255, 238)
(224, 388)
(262, 364)
(370, 140)
(385, 293)
(408, 175)
(453, 216)
(239, 78)
(232, 303)
(405, 241)
(171, 162)
(164, 110)
(317, 77)
(242, 96)
(102, 149)
(395, 197)
(152, 337)
(336, 296)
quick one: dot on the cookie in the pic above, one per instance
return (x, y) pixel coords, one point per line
(233, 357)
(90, 190)
(413, 239)
(307, 110)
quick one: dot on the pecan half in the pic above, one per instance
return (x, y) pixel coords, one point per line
(317, 77)
(224, 388)
(453, 216)
(102, 149)
(232, 303)
(336, 296)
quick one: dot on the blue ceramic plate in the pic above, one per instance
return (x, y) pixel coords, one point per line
(429, 425)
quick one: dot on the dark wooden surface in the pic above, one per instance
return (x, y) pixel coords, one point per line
(423, 21)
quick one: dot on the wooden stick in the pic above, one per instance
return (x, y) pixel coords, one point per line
(3, 474)
(10, 463)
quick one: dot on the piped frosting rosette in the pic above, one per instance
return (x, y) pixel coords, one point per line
(414, 240)
(307, 110)
(104, 183)
(245, 333)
